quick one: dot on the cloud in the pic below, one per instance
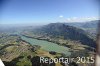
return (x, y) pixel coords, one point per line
(82, 19)
(61, 16)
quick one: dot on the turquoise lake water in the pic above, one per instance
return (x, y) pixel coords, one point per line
(48, 46)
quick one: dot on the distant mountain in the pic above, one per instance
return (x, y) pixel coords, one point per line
(68, 32)
(89, 24)
(90, 27)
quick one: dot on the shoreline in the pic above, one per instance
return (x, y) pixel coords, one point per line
(68, 46)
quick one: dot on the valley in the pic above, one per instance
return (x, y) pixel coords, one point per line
(21, 46)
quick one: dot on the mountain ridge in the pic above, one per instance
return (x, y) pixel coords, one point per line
(66, 31)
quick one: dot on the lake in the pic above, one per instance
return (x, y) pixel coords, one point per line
(48, 46)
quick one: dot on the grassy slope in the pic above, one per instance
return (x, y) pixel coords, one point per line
(17, 52)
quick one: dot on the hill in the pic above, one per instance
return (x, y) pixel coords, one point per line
(67, 32)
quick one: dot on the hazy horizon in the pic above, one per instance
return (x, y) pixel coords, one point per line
(38, 25)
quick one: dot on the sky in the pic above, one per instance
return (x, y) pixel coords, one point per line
(47, 11)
